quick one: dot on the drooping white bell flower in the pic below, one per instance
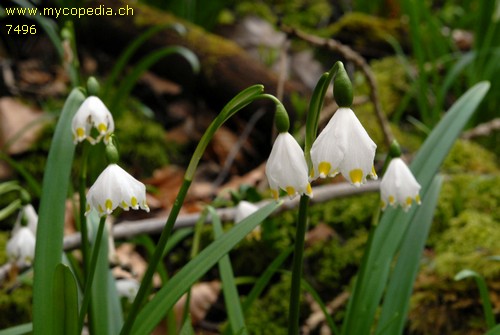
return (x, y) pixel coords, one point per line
(127, 288)
(286, 168)
(92, 114)
(116, 187)
(243, 210)
(21, 247)
(399, 186)
(344, 147)
(27, 217)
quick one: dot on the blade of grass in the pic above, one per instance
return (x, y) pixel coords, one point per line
(397, 297)
(26, 328)
(375, 269)
(231, 296)
(483, 292)
(144, 64)
(264, 279)
(131, 49)
(66, 301)
(49, 236)
(321, 305)
(155, 309)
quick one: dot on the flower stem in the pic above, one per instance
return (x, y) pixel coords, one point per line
(83, 204)
(90, 275)
(293, 314)
(156, 258)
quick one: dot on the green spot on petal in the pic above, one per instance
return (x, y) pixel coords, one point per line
(133, 201)
(108, 204)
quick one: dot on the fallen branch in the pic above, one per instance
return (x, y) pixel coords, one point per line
(360, 63)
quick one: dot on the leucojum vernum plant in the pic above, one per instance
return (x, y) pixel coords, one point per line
(64, 305)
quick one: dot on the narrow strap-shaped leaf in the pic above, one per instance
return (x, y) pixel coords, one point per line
(49, 236)
(65, 296)
(264, 279)
(321, 305)
(144, 64)
(155, 310)
(375, 270)
(397, 296)
(493, 331)
(231, 296)
(483, 292)
(26, 328)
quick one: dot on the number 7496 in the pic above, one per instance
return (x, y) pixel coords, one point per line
(19, 29)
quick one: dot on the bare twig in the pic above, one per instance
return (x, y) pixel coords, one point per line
(483, 129)
(128, 229)
(359, 62)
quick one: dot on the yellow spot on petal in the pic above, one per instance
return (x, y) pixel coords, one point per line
(324, 169)
(309, 190)
(383, 205)
(417, 199)
(99, 208)
(391, 200)
(80, 132)
(108, 204)
(374, 173)
(356, 176)
(102, 128)
(290, 191)
(275, 194)
(408, 201)
(124, 205)
(133, 201)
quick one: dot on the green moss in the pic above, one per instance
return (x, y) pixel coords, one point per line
(4, 237)
(331, 264)
(469, 157)
(269, 315)
(15, 306)
(142, 143)
(366, 31)
(465, 192)
(467, 244)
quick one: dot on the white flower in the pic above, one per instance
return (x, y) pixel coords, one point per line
(399, 186)
(92, 114)
(27, 217)
(286, 168)
(21, 247)
(344, 146)
(127, 288)
(115, 187)
(243, 210)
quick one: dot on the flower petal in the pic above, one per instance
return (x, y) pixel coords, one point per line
(116, 187)
(286, 167)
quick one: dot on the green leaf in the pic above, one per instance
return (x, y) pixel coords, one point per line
(26, 328)
(164, 300)
(105, 307)
(187, 328)
(397, 297)
(483, 291)
(51, 212)
(145, 63)
(374, 271)
(493, 331)
(321, 304)
(264, 279)
(231, 296)
(65, 300)
(131, 49)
